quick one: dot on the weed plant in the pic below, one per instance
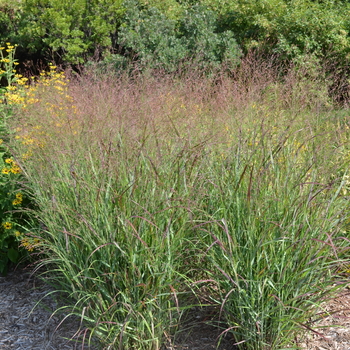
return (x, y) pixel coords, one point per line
(150, 186)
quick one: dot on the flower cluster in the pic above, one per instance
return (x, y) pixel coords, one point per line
(60, 112)
(7, 63)
(12, 93)
(11, 167)
(18, 200)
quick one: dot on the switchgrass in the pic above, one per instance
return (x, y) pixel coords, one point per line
(274, 240)
(149, 186)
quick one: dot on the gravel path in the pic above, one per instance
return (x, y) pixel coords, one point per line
(25, 326)
(332, 331)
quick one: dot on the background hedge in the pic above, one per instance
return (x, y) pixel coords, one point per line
(164, 34)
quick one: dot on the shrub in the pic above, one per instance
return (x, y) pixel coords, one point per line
(10, 13)
(208, 47)
(157, 41)
(292, 29)
(71, 31)
(149, 37)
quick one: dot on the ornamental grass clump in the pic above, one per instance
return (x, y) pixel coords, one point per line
(114, 198)
(149, 187)
(274, 239)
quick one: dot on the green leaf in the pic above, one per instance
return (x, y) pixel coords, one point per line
(13, 255)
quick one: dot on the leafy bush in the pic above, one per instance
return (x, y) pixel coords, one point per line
(157, 41)
(70, 31)
(166, 33)
(150, 37)
(10, 13)
(313, 27)
(290, 28)
(208, 47)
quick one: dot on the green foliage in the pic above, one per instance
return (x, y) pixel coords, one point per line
(157, 41)
(74, 30)
(7, 66)
(200, 34)
(290, 28)
(150, 37)
(11, 217)
(164, 33)
(172, 9)
(313, 27)
(11, 196)
(10, 13)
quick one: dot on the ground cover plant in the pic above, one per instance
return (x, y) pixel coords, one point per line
(152, 187)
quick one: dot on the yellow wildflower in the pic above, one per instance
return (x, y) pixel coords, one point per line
(17, 233)
(16, 202)
(19, 195)
(7, 225)
(5, 171)
(11, 88)
(15, 169)
(8, 160)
